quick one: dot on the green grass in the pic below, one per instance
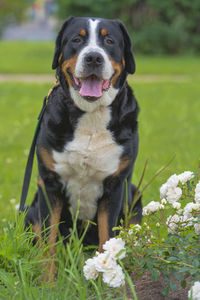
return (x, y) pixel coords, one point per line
(26, 57)
(169, 127)
(20, 105)
(21, 266)
(167, 65)
(36, 57)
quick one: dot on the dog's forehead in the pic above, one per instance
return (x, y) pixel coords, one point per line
(111, 27)
(77, 24)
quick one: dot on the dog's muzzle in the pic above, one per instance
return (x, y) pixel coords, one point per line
(91, 84)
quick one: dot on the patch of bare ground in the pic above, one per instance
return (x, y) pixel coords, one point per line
(42, 78)
(146, 289)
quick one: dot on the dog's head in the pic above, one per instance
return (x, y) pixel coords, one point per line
(92, 58)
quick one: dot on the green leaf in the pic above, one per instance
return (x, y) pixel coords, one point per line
(178, 276)
(165, 291)
(196, 263)
(184, 269)
(193, 271)
(173, 258)
(173, 286)
(183, 284)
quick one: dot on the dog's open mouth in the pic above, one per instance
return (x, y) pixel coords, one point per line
(91, 87)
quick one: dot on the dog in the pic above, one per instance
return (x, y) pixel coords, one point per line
(88, 140)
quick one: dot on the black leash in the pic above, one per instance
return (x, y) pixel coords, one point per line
(29, 165)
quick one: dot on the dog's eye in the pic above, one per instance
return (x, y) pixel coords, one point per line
(77, 40)
(108, 41)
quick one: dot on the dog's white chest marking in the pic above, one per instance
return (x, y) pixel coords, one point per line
(87, 161)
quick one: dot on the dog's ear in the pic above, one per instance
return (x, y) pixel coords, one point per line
(128, 55)
(58, 43)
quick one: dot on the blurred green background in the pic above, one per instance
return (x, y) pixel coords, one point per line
(156, 27)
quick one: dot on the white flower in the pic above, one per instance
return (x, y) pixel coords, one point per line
(176, 205)
(173, 194)
(191, 206)
(164, 201)
(104, 261)
(194, 292)
(197, 228)
(170, 190)
(89, 269)
(152, 207)
(185, 176)
(197, 193)
(114, 277)
(134, 228)
(114, 246)
(163, 191)
(187, 220)
(173, 181)
(173, 223)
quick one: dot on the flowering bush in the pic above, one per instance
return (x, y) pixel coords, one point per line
(167, 243)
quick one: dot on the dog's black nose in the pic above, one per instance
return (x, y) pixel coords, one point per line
(93, 59)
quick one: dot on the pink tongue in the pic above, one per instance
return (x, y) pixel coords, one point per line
(91, 87)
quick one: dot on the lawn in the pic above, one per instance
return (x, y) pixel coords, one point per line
(36, 57)
(169, 127)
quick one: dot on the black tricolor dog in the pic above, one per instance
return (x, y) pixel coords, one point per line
(88, 141)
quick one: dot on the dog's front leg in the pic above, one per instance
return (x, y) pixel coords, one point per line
(109, 209)
(103, 223)
(50, 207)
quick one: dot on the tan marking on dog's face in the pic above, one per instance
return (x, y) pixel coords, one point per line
(103, 230)
(118, 69)
(104, 31)
(70, 65)
(124, 163)
(82, 32)
(47, 158)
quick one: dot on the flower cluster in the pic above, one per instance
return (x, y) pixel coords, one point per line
(170, 190)
(194, 292)
(106, 263)
(171, 193)
(152, 207)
